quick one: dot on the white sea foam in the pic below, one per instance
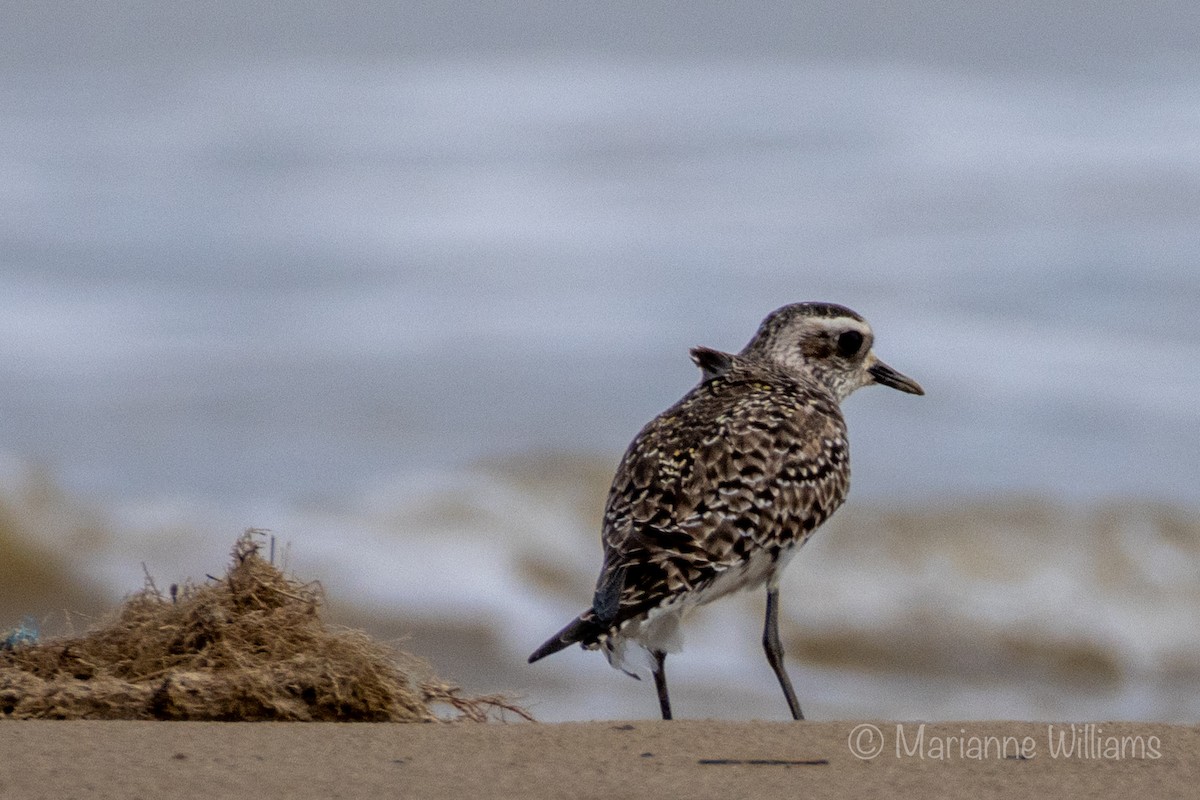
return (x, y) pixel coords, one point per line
(1013, 608)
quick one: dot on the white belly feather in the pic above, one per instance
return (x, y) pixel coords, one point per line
(630, 648)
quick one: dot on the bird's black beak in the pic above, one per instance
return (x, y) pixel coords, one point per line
(883, 374)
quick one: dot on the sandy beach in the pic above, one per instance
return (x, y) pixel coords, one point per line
(45, 759)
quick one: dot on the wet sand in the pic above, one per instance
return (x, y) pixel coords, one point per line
(696, 759)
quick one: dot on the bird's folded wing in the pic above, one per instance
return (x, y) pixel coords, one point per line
(735, 466)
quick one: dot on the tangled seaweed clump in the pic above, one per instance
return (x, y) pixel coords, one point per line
(250, 646)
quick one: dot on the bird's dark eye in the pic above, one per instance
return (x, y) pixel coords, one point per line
(849, 343)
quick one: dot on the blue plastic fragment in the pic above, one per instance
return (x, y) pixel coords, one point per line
(25, 633)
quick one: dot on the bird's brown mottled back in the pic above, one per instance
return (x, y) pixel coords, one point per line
(747, 461)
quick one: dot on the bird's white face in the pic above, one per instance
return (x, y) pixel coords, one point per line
(831, 346)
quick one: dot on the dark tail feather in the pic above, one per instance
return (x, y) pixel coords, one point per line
(581, 629)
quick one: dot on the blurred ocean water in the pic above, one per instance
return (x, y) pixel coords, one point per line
(354, 303)
(298, 279)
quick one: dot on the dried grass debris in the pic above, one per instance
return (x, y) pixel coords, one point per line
(250, 646)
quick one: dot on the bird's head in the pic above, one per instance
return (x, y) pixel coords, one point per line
(828, 342)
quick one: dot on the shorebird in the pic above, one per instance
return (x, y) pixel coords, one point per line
(717, 493)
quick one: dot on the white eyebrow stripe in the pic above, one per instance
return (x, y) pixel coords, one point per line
(844, 324)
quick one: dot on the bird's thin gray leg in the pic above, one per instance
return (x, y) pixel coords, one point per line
(775, 651)
(660, 683)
